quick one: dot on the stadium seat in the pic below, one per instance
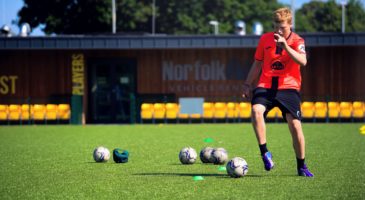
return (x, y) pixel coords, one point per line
(320, 110)
(172, 110)
(183, 116)
(3, 112)
(232, 111)
(26, 112)
(51, 112)
(220, 110)
(208, 110)
(146, 111)
(307, 109)
(274, 113)
(159, 111)
(64, 112)
(14, 112)
(345, 110)
(333, 109)
(244, 110)
(358, 109)
(39, 112)
(195, 116)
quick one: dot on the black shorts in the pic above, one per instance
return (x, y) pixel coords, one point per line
(287, 100)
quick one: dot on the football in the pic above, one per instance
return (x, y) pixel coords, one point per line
(205, 154)
(101, 154)
(187, 155)
(237, 167)
(219, 156)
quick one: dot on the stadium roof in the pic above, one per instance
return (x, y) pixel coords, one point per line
(73, 42)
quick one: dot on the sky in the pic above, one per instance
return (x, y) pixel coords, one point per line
(10, 8)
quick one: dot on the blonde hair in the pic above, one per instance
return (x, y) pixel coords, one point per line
(282, 14)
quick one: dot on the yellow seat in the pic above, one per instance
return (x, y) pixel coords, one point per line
(274, 113)
(26, 112)
(146, 111)
(307, 109)
(208, 110)
(232, 111)
(183, 116)
(3, 112)
(172, 110)
(195, 116)
(159, 111)
(244, 110)
(220, 110)
(14, 112)
(64, 112)
(39, 112)
(51, 112)
(345, 109)
(333, 109)
(358, 109)
(320, 110)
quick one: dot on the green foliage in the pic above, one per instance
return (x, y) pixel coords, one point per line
(182, 17)
(193, 16)
(172, 17)
(355, 17)
(55, 162)
(317, 16)
(67, 16)
(133, 16)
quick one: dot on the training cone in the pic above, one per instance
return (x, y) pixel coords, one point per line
(222, 168)
(208, 140)
(198, 178)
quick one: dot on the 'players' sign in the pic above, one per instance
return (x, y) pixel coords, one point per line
(78, 67)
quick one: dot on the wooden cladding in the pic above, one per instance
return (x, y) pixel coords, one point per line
(40, 74)
(335, 73)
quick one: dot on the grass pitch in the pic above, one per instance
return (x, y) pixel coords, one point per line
(55, 162)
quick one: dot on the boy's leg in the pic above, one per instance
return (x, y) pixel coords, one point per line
(258, 122)
(296, 131)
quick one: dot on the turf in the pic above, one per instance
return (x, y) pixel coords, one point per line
(55, 162)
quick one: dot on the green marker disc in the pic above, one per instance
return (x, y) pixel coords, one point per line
(198, 178)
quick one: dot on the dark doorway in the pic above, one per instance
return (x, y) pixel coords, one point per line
(112, 86)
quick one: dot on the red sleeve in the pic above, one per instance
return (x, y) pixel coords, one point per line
(299, 46)
(259, 54)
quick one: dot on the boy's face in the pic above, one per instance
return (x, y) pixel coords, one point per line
(282, 28)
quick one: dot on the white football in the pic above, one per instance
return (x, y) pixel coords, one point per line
(219, 156)
(205, 154)
(237, 167)
(187, 155)
(101, 154)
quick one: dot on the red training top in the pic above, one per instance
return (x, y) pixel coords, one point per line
(279, 65)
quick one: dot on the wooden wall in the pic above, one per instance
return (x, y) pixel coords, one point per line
(332, 73)
(34, 74)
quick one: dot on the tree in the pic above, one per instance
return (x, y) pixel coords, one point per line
(67, 16)
(355, 15)
(134, 15)
(193, 16)
(318, 16)
(172, 16)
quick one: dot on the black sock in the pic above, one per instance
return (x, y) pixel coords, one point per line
(263, 148)
(300, 163)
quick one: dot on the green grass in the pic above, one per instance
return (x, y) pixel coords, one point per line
(55, 162)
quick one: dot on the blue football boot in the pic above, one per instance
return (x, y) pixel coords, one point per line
(304, 171)
(268, 163)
